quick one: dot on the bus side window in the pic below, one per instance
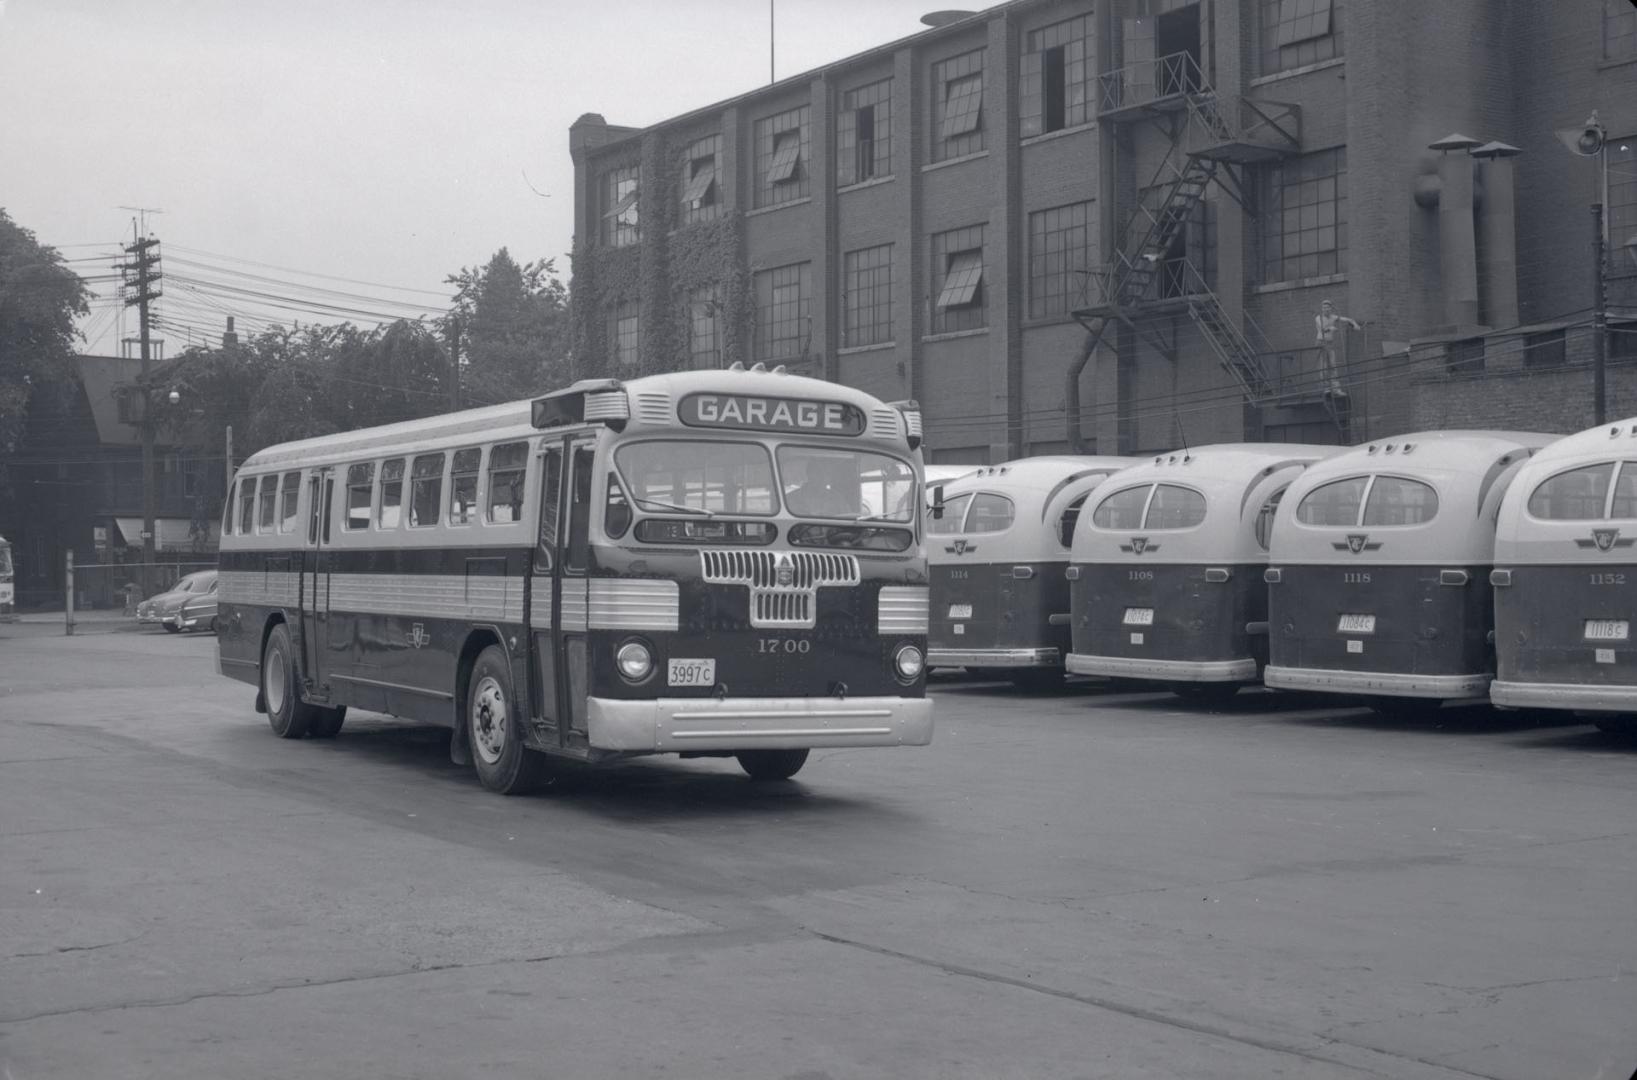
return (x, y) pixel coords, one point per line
(312, 509)
(579, 509)
(329, 497)
(551, 499)
(1265, 516)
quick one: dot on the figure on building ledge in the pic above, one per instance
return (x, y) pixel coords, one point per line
(1326, 325)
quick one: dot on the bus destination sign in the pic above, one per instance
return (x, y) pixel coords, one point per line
(751, 412)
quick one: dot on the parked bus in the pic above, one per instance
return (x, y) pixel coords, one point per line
(1565, 579)
(682, 563)
(8, 585)
(1166, 580)
(1379, 569)
(997, 551)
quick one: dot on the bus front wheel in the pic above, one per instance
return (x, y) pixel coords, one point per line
(287, 714)
(771, 764)
(494, 729)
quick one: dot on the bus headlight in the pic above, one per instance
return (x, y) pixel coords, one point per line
(908, 662)
(635, 662)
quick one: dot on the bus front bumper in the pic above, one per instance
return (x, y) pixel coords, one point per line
(1135, 667)
(671, 725)
(1575, 697)
(995, 658)
(1385, 683)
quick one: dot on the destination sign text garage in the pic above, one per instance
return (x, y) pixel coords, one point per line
(752, 412)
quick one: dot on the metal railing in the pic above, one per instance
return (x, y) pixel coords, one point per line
(1274, 125)
(1145, 81)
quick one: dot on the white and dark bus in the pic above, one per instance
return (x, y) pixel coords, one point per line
(707, 563)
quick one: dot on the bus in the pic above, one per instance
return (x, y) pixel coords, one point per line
(8, 586)
(706, 563)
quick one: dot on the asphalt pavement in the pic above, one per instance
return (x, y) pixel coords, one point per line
(1086, 884)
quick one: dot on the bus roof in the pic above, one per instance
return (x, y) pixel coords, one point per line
(652, 401)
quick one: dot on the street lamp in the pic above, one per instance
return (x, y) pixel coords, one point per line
(1591, 140)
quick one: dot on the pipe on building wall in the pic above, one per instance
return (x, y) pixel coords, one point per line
(1457, 237)
(1498, 223)
(1071, 394)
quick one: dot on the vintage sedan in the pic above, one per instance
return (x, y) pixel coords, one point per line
(166, 608)
(197, 613)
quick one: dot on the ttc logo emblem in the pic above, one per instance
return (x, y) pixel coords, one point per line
(418, 637)
(1356, 543)
(1139, 545)
(960, 547)
(784, 573)
(1606, 540)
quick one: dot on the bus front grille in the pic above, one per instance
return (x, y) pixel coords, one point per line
(783, 584)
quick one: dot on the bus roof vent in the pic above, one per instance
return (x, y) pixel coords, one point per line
(758, 366)
(781, 370)
(737, 365)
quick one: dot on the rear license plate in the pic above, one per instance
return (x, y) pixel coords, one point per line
(1139, 616)
(1356, 624)
(691, 672)
(1608, 629)
(960, 611)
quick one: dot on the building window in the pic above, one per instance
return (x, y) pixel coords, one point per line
(957, 277)
(1622, 342)
(1059, 256)
(1621, 158)
(619, 207)
(625, 334)
(704, 328)
(782, 157)
(1304, 217)
(1054, 81)
(1298, 32)
(1464, 357)
(1543, 350)
(701, 190)
(867, 296)
(784, 297)
(1619, 30)
(957, 106)
(864, 134)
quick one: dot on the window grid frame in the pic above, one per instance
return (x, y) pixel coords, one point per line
(703, 310)
(1621, 163)
(625, 334)
(1056, 255)
(619, 227)
(946, 247)
(1290, 37)
(782, 322)
(1073, 37)
(793, 123)
(852, 153)
(867, 297)
(946, 72)
(1303, 178)
(705, 203)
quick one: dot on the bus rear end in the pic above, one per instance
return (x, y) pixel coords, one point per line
(8, 585)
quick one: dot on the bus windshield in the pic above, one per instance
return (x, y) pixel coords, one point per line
(704, 478)
(856, 485)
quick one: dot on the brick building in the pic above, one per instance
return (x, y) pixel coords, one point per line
(1065, 225)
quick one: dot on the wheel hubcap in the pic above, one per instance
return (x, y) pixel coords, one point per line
(276, 678)
(489, 720)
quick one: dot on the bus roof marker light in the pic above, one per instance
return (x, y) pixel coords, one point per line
(759, 366)
(781, 370)
(737, 365)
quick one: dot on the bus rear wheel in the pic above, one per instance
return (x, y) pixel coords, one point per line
(287, 714)
(494, 729)
(771, 764)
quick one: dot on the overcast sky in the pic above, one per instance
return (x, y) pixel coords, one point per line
(381, 141)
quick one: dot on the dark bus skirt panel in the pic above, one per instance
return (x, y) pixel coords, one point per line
(1010, 624)
(1545, 658)
(1430, 639)
(1201, 631)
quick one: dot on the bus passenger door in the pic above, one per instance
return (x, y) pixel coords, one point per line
(573, 565)
(543, 592)
(315, 582)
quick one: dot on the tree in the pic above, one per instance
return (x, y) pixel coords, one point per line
(39, 299)
(513, 321)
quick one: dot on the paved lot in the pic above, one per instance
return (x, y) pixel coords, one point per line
(1082, 885)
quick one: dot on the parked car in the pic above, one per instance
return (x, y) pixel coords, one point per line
(165, 609)
(199, 613)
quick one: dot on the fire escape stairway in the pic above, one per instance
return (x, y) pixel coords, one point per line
(1165, 223)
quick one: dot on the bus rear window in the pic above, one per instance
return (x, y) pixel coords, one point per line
(1174, 507)
(1397, 501)
(990, 513)
(697, 477)
(425, 490)
(1336, 503)
(463, 486)
(1122, 510)
(506, 468)
(360, 490)
(1576, 495)
(954, 515)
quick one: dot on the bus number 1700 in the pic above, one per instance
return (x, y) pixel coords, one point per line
(784, 645)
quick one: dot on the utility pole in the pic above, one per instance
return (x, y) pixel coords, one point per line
(141, 289)
(227, 481)
(1600, 321)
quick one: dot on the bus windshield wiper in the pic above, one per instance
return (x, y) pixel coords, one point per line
(645, 503)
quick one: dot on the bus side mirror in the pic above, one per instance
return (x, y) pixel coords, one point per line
(938, 503)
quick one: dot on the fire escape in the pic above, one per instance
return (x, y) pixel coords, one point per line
(1155, 270)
